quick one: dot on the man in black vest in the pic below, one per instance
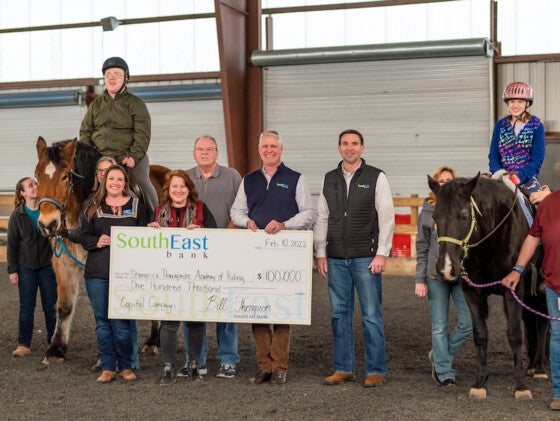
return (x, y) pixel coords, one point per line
(353, 237)
(273, 198)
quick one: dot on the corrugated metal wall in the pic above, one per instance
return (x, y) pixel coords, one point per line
(175, 126)
(544, 77)
(415, 114)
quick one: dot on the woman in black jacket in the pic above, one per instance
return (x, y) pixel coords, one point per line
(29, 265)
(112, 205)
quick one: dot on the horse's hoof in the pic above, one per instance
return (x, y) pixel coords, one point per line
(540, 376)
(523, 395)
(531, 372)
(475, 393)
(152, 349)
(55, 360)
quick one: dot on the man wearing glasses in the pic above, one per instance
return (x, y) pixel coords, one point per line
(216, 186)
(118, 124)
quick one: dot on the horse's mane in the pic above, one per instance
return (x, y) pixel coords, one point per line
(454, 194)
(85, 162)
(488, 193)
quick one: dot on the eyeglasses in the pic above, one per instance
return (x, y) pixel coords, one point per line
(114, 75)
(210, 149)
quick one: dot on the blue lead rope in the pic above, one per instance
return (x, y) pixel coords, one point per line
(59, 247)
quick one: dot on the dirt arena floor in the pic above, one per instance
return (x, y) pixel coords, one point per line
(68, 391)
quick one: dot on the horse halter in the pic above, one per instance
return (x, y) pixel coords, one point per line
(464, 244)
(62, 207)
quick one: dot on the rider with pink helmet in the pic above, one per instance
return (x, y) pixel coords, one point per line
(518, 139)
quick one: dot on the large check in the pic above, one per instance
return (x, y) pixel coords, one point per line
(217, 275)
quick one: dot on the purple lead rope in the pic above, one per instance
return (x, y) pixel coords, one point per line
(521, 303)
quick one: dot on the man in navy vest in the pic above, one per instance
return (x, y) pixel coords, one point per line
(273, 198)
(352, 239)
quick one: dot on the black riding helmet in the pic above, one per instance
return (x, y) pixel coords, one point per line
(117, 62)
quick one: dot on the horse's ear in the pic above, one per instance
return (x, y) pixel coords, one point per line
(69, 151)
(472, 183)
(434, 185)
(41, 146)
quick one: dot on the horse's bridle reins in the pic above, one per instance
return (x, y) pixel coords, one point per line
(62, 206)
(464, 244)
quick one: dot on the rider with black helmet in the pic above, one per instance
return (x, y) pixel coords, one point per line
(118, 124)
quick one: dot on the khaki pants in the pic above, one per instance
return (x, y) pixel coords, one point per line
(273, 346)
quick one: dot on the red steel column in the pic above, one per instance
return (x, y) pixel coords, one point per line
(238, 27)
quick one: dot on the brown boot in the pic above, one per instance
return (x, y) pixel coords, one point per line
(128, 375)
(260, 377)
(106, 376)
(21, 351)
(374, 380)
(339, 378)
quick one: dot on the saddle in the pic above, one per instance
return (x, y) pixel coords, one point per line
(520, 190)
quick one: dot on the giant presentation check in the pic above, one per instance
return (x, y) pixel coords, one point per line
(217, 275)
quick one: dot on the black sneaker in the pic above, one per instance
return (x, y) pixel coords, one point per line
(195, 372)
(185, 372)
(226, 371)
(448, 383)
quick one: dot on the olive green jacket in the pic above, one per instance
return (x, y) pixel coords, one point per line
(119, 126)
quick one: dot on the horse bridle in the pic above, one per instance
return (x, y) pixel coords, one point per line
(464, 243)
(62, 207)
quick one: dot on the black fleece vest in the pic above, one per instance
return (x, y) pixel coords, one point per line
(353, 227)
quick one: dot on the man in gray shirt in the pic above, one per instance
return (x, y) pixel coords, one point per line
(216, 186)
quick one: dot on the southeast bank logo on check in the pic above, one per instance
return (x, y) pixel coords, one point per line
(176, 245)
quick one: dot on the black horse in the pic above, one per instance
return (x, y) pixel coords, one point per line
(481, 228)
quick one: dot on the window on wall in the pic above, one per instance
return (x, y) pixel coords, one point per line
(457, 19)
(524, 27)
(181, 46)
(528, 27)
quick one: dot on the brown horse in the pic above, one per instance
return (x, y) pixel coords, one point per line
(65, 174)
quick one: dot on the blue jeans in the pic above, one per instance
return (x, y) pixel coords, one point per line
(226, 334)
(134, 359)
(30, 280)
(344, 276)
(552, 304)
(114, 337)
(524, 208)
(445, 344)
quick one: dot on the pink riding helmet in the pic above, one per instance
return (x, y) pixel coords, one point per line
(518, 90)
